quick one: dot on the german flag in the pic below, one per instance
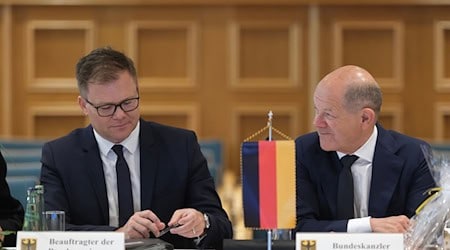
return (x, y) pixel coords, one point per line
(268, 184)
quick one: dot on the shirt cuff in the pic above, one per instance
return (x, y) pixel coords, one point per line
(359, 225)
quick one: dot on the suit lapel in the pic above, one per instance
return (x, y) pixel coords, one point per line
(386, 169)
(94, 167)
(329, 178)
(149, 163)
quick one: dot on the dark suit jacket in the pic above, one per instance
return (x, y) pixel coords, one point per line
(400, 176)
(174, 175)
(11, 211)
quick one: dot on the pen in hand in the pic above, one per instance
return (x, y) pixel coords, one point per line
(167, 229)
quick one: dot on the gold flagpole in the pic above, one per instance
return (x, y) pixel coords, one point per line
(269, 125)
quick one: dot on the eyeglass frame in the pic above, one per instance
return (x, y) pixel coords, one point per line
(115, 106)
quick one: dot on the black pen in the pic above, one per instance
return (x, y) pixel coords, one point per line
(167, 229)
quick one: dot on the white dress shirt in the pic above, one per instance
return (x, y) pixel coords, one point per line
(131, 153)
(362, 177)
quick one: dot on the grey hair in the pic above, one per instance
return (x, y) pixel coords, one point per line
(359, 96)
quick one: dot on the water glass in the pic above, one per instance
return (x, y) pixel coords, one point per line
(55, 220)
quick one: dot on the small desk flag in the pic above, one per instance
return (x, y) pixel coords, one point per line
(268, 184)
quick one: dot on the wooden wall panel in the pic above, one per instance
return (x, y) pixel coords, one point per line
(265, 54)
(219, 58)
(47, 40)
(166, 53)
(183, 116)
(392, 116)
(55, 120)
(414, 27)
(44, 125)
(5, 70)
(375, 45)
(441, 60)
(441, 121)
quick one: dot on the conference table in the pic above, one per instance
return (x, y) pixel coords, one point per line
(230, 244)
(259, 244)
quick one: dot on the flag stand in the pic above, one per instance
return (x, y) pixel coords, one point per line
(250, 164)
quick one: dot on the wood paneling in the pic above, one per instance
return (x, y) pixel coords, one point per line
(47, 40)
(166, 53)
(375, 45)
(227, 2)
(199, 65)
(265, 54)
(181, 115)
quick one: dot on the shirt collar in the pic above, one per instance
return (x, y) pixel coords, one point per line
(130, 143)
(367, 150)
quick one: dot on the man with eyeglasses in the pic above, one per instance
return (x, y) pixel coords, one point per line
(129, 175)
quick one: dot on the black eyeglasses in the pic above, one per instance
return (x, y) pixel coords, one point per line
(109, 109)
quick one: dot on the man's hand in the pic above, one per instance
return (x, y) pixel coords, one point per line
(191, 221)
(393, 224)
(141, 224)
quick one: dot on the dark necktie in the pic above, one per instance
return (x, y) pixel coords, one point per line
(345, 189)
(123, 186)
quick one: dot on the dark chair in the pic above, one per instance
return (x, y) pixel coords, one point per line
(212, 150)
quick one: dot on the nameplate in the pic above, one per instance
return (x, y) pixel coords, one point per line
(348, 241)
(53, 240)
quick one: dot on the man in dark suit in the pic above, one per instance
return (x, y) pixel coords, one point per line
(389, 175)
(169, 178)
(11, 211)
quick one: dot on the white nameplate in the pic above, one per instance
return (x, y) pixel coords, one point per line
(53, 240)
(348, 241)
